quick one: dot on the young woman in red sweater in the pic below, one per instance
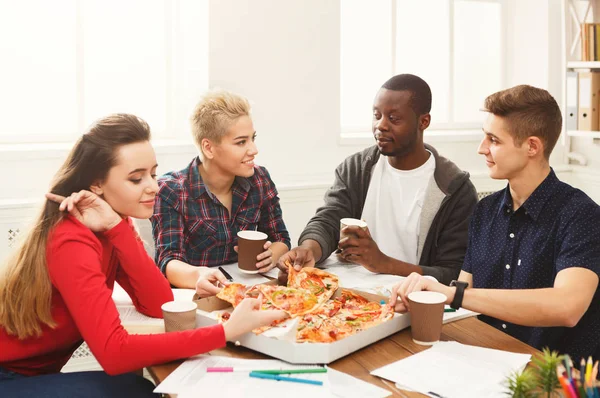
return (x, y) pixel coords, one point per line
(55, 291)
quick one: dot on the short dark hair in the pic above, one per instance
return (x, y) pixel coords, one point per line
(421, 93)
(529, 111)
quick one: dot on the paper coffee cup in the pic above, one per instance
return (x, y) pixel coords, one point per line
(179, 315)
(250, 245)
(426, 316)
(346, 222)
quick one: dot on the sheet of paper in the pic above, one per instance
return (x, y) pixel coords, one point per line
(120, 296)
(449, 368)
(138, 323)
(129, 314)
(458, 315)
(346, 386)
(191, 377)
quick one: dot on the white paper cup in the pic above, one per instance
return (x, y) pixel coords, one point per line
(346, 222)
(179, 315)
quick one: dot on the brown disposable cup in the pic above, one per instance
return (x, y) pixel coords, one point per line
(179, 315)
(346, 222)
(250, 245)
(426, 316)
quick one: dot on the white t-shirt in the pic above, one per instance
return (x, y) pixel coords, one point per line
(393, 205)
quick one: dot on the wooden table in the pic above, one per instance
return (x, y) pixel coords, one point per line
(400, 345)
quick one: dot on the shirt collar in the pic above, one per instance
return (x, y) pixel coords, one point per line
(197, 186)
(535, 202)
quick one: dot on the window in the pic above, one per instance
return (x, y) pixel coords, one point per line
(454, 45)
(67, 63)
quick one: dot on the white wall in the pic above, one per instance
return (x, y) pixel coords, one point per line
(284, 56)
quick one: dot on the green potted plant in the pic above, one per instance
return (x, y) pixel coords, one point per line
(538, 381)
(522, 384)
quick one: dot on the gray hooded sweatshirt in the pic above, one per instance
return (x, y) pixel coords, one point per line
(450, 199)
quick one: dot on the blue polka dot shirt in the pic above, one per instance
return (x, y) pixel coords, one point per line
(557, 227)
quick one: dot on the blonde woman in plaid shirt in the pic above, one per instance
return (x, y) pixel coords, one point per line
(200, 209)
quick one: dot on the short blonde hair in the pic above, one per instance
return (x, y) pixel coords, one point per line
(215, 113)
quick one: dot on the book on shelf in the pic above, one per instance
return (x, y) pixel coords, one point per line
(590, 42)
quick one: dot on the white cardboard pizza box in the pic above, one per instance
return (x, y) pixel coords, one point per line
(289, 350)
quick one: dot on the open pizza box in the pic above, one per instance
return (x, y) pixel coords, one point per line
(280, 342)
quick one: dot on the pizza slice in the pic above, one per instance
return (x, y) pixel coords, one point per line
(319, 330)
(295, 302)
(223, 316)
(233, 293)
(320, 283)
(355, 302)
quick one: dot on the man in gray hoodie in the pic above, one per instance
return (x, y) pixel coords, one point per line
(416, 203)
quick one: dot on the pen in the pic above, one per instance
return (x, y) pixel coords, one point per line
(226, 274)
(283, 378)
(449, 310)
(433, 394)
(229, 369)
(291, 371)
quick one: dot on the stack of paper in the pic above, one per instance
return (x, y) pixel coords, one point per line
(191, 379)
(450, 369)
(134, 321)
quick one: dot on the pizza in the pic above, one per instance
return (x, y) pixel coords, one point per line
(233, 293)
(316, 329)
(355, 302)
(346, 315)
(224, 316)
(320, 283)
(294, 301)
(308, 297)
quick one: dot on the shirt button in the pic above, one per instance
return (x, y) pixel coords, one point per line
(508, 210)
(507, 266)
(504, 326)
(512, 235)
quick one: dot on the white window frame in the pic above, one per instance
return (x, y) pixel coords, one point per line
(446, 131)
(176, 130)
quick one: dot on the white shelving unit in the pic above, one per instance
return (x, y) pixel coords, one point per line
(586, 65)
(594, 135)
(576, 12)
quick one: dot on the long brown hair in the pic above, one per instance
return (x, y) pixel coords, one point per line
(25, 287)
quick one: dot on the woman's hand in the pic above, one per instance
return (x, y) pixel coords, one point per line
(208, 281)
(264, 261)
(88, 208)
(248, 316)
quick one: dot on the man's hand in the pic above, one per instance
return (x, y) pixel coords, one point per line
(415, 283)
(300, 257)
(359, 247)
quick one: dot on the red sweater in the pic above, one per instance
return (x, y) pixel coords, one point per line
(83, 267)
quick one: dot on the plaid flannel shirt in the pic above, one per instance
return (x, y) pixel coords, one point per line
(191, 225)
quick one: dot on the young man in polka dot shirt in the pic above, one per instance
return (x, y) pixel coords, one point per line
(533, 256)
